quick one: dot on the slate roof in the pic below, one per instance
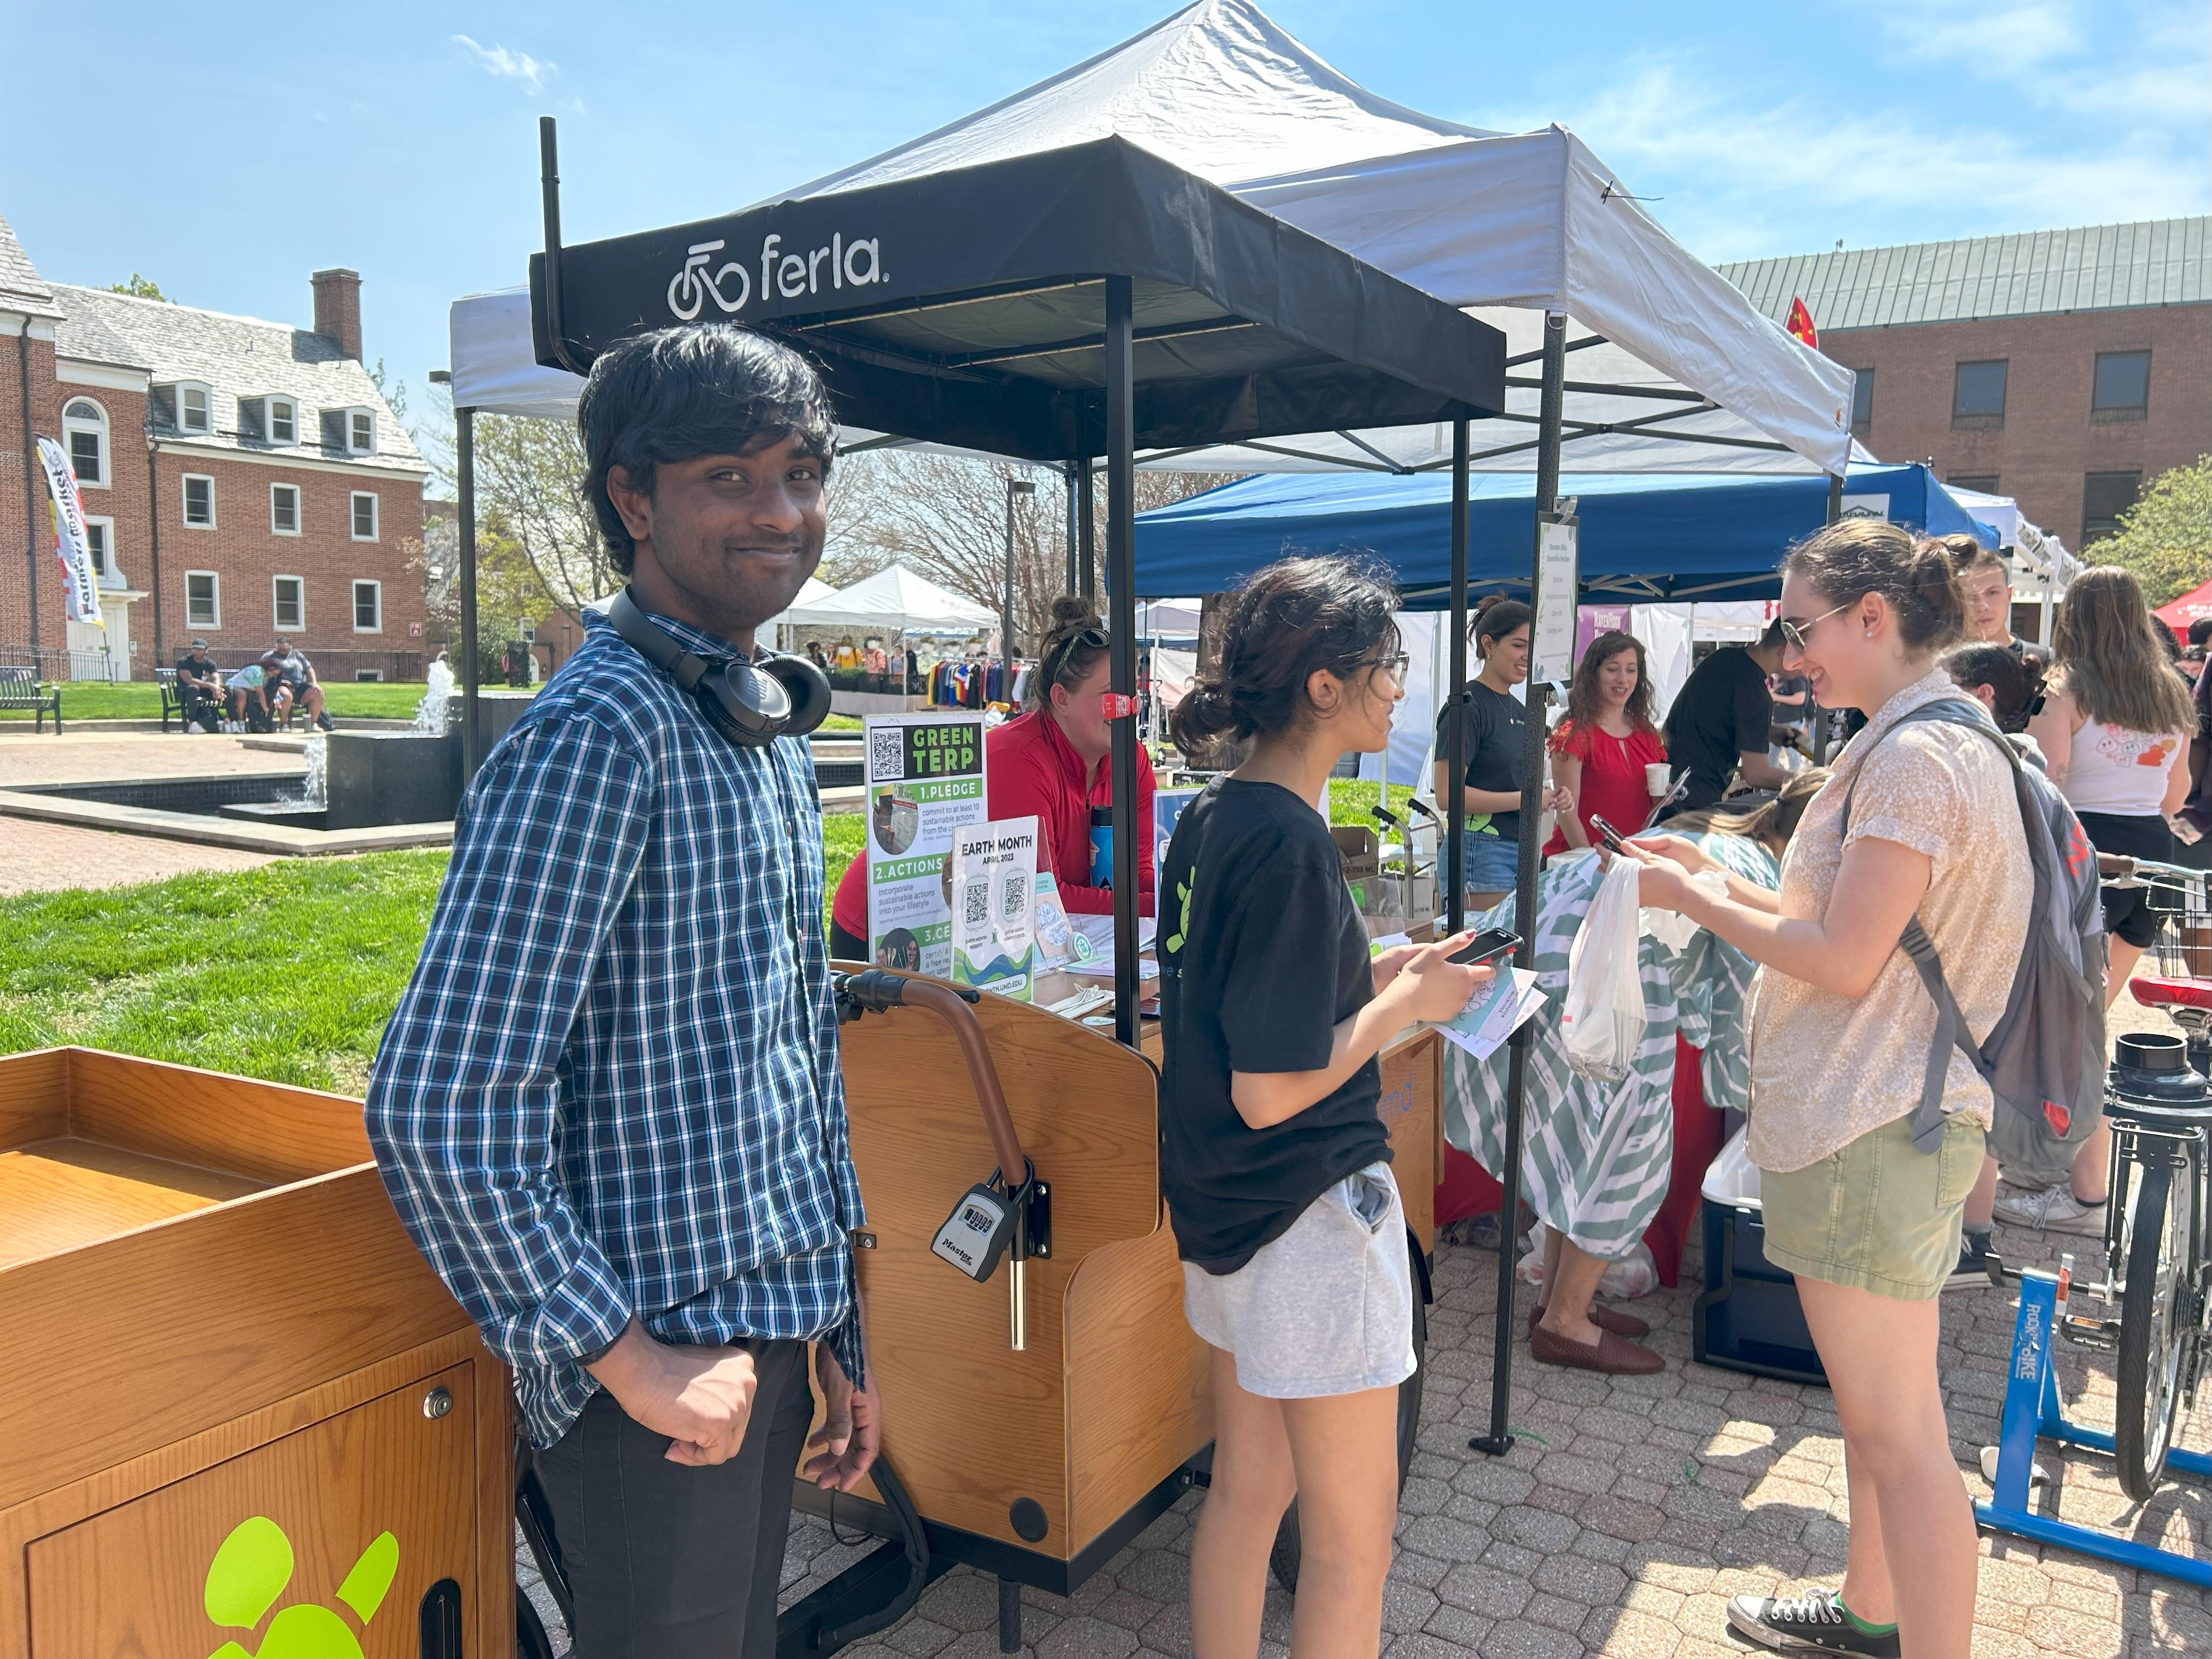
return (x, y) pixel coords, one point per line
(236, 357)
(2160, 262)
(21, 287)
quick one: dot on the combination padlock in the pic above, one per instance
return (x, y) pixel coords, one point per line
(979, 1230)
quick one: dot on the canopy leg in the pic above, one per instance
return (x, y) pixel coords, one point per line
(1456, 739)
(1121, 630)
(465, 462)
(1500, 1440)
(1087, 533)
(1816, 718)
(1009, 1616)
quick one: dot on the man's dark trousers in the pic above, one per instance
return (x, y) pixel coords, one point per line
(667, 1561)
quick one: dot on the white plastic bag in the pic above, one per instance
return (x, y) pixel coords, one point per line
(1632, 1275)
(1604, 1019)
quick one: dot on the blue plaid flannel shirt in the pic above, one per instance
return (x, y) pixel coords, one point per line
(611, 1087)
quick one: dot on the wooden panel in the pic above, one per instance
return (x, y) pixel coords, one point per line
(1411, 1085)
(1138, 1401)
(969, 1424)
(264, 1130)
(33, 1096)
(125, 1346)
(58, 1195)
(136, 1579)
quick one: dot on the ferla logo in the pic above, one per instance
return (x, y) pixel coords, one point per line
(857, 264)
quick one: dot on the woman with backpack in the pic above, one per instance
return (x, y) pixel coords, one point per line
(1273, 1159)
(2115, 730)
(1865, 1215)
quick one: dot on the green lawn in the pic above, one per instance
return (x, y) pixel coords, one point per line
(287, 972)
(91, 700)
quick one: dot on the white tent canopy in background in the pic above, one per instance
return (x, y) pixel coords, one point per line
(1529, 222)
(811, 593)
(892, 601)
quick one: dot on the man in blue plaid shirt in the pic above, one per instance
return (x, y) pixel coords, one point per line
(608, 1109)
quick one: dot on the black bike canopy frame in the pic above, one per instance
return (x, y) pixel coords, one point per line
(1087, 301)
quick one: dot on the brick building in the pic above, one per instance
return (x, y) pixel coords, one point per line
(243, 480)
(2066, 368)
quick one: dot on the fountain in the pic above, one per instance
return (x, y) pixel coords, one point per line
(430, 714)
(315, 787)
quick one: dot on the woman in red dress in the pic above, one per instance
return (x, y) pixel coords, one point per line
(1600, 749)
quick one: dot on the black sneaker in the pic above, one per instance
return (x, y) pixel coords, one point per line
(323, 722)
(1806, 1624)
(1973, 1268)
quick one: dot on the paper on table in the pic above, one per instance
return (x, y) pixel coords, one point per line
(1513, 996)
(1101, 967)
(1099, 930)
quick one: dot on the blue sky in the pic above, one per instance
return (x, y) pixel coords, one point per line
(228, 151)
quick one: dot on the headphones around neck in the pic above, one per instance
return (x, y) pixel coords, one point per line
(751, 704)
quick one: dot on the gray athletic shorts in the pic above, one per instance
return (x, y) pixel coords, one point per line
(1326, 1309)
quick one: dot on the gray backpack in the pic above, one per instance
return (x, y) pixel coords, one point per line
(2044, 1059)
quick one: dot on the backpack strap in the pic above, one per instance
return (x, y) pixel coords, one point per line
(1951, 1029)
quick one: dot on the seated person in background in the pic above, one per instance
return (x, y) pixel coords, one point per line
(293, 683)
(199, 688)
(249, 698)
(1722, 720)
(1598, 1157)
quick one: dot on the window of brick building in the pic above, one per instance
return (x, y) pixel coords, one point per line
(1984, 482)
(1977, 394)
(203, 599)
(368, 607)
(1862, 402)
(2122, 389)
(289, 595)
(193, 405)
(361, 431)
(284, 509)
(199, 501)
(283, 421)
(364, 515)
(2105, 496)
(84, 427)
(99, 540)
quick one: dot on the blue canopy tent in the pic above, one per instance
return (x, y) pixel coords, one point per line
(1644, 536)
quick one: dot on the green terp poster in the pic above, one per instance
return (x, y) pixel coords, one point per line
(924, 782)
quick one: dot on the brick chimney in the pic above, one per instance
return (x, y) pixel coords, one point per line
(337, 308)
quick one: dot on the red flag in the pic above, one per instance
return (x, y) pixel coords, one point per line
(1801, 324)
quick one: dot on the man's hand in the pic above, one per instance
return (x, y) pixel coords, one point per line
(851, 1431)
(700, 1398)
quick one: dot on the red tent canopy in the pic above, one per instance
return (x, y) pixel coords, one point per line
(2180, 613)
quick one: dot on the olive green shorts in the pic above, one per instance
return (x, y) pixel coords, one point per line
(1878, 1214)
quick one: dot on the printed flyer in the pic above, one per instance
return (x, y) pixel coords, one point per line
(925, 784)
(995, 906)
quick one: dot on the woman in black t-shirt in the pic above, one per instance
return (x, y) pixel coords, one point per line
(1496, 732)
(1273, 1159)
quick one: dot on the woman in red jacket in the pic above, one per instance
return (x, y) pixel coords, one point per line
(1051, 761)
(1600, 750)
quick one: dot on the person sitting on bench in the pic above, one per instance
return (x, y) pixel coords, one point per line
(200, 689)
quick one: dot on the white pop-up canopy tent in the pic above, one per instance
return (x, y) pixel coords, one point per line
(1673, 369)
(892, 601)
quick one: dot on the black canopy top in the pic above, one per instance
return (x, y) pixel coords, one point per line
(968, 308)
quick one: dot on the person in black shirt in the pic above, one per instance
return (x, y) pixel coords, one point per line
(1495, 723)
(1273, 1159)
(200, 689)
(1721, 721)
(1985, 580)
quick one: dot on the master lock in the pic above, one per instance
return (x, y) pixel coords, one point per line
(979, 1230)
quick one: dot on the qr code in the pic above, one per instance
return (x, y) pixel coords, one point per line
(886, 754)
(1018, 895)
(976, 904)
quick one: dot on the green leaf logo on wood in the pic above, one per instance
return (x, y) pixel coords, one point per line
(251, 1570)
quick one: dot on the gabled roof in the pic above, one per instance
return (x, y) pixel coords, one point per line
(237, 357)
(2159, 262)
(21, 287)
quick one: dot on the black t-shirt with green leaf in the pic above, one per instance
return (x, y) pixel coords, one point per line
(1261, 953)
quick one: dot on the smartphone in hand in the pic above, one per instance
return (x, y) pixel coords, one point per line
(1485, 947)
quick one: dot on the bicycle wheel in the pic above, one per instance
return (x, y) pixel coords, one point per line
(2154, 1334)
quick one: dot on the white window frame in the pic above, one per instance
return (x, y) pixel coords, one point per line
(375, 516)
(213, 620)
(359, 583)
(184, 483)
(105, 564)
(207, 405)
(299, 625)
(291, 407)
(354, 415)
(73, 424)
(298, 510)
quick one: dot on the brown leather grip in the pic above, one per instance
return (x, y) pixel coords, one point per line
(946, 1004)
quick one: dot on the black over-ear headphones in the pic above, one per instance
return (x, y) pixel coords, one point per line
(750, 703)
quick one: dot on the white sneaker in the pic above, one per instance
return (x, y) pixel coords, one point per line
(2055, 1209)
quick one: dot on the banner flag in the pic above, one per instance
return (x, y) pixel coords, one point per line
(1801, 324)
(79, 582)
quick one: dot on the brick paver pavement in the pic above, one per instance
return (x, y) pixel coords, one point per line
(101, 757)
(1629, 1512)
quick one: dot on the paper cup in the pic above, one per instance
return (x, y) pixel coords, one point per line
(1658, 779)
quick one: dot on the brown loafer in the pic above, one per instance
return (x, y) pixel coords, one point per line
(1604, 1318)
(1614, 1355)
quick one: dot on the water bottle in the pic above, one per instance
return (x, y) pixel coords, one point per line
(1102, 847)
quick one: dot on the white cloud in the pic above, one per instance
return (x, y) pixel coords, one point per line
(506, 65)
(2133, 63)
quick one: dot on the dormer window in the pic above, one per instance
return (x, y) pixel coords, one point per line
(268, 420)
(193, 404)
(361, 431)
(283, 421)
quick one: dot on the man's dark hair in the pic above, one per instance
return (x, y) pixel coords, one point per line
(2200, 631)
(678, 394)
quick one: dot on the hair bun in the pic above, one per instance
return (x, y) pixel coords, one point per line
(1072, 614)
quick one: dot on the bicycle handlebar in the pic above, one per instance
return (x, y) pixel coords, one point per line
(875, 990)
(2121, 867)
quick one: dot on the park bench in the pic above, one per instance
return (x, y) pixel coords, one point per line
(20, 689)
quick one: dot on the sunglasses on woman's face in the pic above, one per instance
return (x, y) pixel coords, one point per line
(1794, 635)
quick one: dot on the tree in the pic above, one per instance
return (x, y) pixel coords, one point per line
(139, 287)
(2166, 537)
(508, 588)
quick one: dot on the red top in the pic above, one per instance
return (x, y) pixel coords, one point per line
(1030, 768)
(1613, 786)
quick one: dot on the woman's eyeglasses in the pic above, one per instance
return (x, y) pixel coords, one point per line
(1395, 667)
(1793, 635)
